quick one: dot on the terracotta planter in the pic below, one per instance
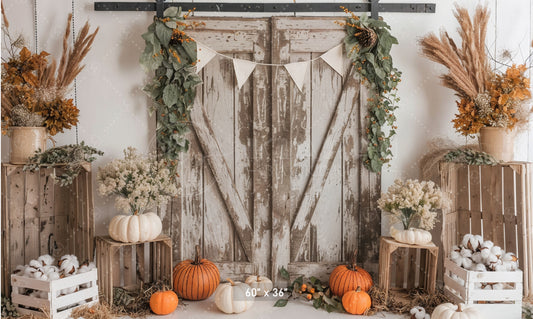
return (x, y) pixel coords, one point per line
(498, 142)
(25, 141)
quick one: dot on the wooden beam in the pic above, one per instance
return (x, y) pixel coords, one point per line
(223, 177)
(313, 189)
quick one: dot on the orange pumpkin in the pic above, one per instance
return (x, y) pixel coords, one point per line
(356, 302)
(163, 302)
(348, 277)
(195, 279)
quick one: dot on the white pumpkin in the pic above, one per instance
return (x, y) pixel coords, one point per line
(261, 284)
(232, 297)
(451, 311)
(413, 236)
(135, 228)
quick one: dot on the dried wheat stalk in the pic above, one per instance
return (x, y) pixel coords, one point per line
(70, 62)
(468, 68)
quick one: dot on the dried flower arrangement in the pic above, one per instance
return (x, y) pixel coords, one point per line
(140, 182)
(73, 156)
(171, 54)
(412, 201)
(368, 44)
(486, 97)
(33, 89)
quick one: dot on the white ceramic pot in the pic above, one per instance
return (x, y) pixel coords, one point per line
(25, 141)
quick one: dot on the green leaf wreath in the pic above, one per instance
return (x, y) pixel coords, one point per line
(171, 54)
(368, 44)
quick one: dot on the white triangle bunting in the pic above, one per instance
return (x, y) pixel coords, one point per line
(335, 59)
(243, 69)
(297, 71)
(203, 55)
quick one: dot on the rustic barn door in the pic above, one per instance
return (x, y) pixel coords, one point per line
(274, 176)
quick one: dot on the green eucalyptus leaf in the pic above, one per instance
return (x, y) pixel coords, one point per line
(281, 303)
(171, 12)
(170, 94)
(163, 33)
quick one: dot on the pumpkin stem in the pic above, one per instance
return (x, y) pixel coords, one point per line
(230, 281)
(358, 289)
(354, 260)
(459, 309)
(197, 257)
(258, 280)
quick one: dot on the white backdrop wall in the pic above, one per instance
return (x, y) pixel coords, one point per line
(113, 108)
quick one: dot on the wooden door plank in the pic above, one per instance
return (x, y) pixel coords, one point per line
(350, 188)
(369, 215)
(326, 85)
(300, 145)
(218, 105)
(280, 154)
(261, 152)
(475, 200)
(187, 220)
(324, 162)
(223, 177)
(243, 156)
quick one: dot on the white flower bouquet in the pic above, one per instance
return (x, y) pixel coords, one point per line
(140, 182)
(412, 201)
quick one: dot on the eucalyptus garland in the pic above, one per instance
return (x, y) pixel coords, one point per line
(171, 54)
(470, 157)
(368, 44)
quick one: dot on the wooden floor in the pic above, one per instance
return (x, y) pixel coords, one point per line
(207, 309)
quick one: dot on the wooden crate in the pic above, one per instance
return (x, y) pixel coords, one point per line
(495, 202)
(129, 265)
(406, 277)
(40, 217)
(56, 306)
(505, 303)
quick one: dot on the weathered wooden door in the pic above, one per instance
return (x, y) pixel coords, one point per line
(274, 176)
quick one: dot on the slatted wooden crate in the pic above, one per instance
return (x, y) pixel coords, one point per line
(404, 266)
(40, 217)
(129, 265)
(490, 303)
(495, 202)
(55, 306)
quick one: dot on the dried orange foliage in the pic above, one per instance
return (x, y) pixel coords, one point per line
(36, 86)
(503, 105)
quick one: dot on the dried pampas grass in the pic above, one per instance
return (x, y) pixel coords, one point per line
(468, 68)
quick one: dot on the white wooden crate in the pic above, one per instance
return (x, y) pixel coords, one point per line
(57, 307)
(490, 303)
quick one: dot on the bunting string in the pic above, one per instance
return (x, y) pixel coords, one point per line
(297, 70)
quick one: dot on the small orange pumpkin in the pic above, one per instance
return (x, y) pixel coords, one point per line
(163, 302)
(195, 279)
(348, 277)
(356, 302)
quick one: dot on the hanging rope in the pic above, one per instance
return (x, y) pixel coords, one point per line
(35, 25)
(75, 79)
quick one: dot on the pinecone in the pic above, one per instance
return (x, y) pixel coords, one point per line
(367, 38)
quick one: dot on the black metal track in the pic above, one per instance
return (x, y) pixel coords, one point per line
(374, 7)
